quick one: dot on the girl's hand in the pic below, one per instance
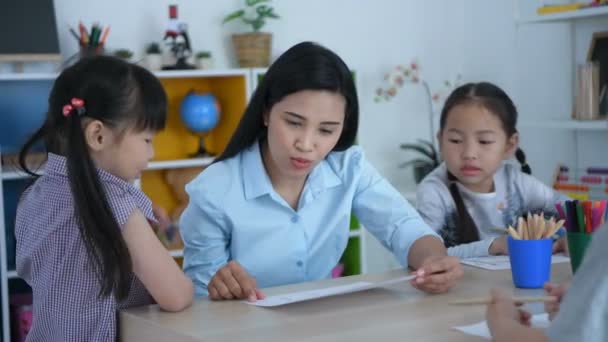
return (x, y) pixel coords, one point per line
(499, 246)
(164, 222)
(503, 309)
(557, 290)
(437, 274)
(561, 246)
(233, 282)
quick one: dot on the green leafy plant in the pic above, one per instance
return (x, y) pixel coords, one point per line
(427, 161)
(153, 49)
(255, 14)
(203, 54)
(123, 53)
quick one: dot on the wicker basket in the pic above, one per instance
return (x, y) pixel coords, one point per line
(252, 49)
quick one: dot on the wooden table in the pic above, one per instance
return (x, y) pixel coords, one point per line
(399, 312)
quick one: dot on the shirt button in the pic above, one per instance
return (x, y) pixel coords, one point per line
(299, 263)
(294, 219)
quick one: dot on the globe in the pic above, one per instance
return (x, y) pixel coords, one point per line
(200, 113)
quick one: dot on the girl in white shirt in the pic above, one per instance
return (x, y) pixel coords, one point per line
(475, 194)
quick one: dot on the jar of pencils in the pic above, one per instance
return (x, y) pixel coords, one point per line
(87, 50)
(577, 245)
(583, 218)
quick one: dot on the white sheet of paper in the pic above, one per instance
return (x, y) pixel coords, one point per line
(501, 262)
(301, 296)
(540, 321)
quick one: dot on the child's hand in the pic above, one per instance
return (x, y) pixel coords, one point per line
(557, 290)
(561, 246)
(163, 221)
(233, 282)
(499, 246)
(503, 309)
(437, 274)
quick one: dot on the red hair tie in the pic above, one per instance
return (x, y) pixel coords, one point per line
(75, 104)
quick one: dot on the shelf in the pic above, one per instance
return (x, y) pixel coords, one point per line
(177, 253)
(354, 233)
(12, 274)
(155, 165)
(584, 13)
(159, 74)
(28, 76)
(591, 125)
(201, 73)
(13, 175)
(181, 163)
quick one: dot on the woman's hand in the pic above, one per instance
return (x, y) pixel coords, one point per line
(561, 246)
(233, 282)
(437, 274)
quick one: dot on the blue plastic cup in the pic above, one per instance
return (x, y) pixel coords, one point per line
(530, 262)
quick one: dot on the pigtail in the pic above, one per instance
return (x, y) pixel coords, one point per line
(466, 229)
(521, 158)
(99, 230)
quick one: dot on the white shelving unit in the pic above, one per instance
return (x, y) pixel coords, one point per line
(580, 14)
(592, 125)
(580, 140)
(4, 309)
(155, 165)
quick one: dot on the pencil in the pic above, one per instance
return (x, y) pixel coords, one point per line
(488, 300)
(105, 35)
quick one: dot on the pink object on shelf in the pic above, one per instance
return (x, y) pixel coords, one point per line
(591, 179)
(337, 271)
(21, 311)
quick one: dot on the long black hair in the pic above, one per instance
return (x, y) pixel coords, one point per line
(120, 95)
(497, 102)
(305, 66)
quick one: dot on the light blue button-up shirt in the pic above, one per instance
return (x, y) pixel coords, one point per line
(235, 214)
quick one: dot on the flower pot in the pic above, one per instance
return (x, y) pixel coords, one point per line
(204, 63)
(154, 61)
(252, 49)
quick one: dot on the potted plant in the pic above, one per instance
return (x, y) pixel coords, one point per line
(125, 54)
(427, 161)
(204, 60)
(253, 48)
(154, 57)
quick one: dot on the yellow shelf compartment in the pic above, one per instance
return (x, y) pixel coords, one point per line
(176, 142)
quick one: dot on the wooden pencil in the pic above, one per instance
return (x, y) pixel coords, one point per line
(488, 300)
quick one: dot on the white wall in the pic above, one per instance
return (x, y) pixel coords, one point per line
(371, 35)
(477, 38)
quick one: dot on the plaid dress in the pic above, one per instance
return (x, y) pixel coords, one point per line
(52, 259)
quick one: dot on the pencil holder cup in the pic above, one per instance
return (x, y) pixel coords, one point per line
(577, 245)
(530, 262)
(90, 51)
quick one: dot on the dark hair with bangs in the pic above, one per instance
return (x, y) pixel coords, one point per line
(497, 102)
(122, 96)
(305, 66)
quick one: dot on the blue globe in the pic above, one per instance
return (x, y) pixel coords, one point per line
(200, 112)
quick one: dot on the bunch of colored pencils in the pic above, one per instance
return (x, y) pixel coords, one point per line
(583, 216)
(535, 227)
(93, 39)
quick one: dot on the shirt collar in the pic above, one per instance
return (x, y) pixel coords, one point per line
(56, 165)
(257, 182)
